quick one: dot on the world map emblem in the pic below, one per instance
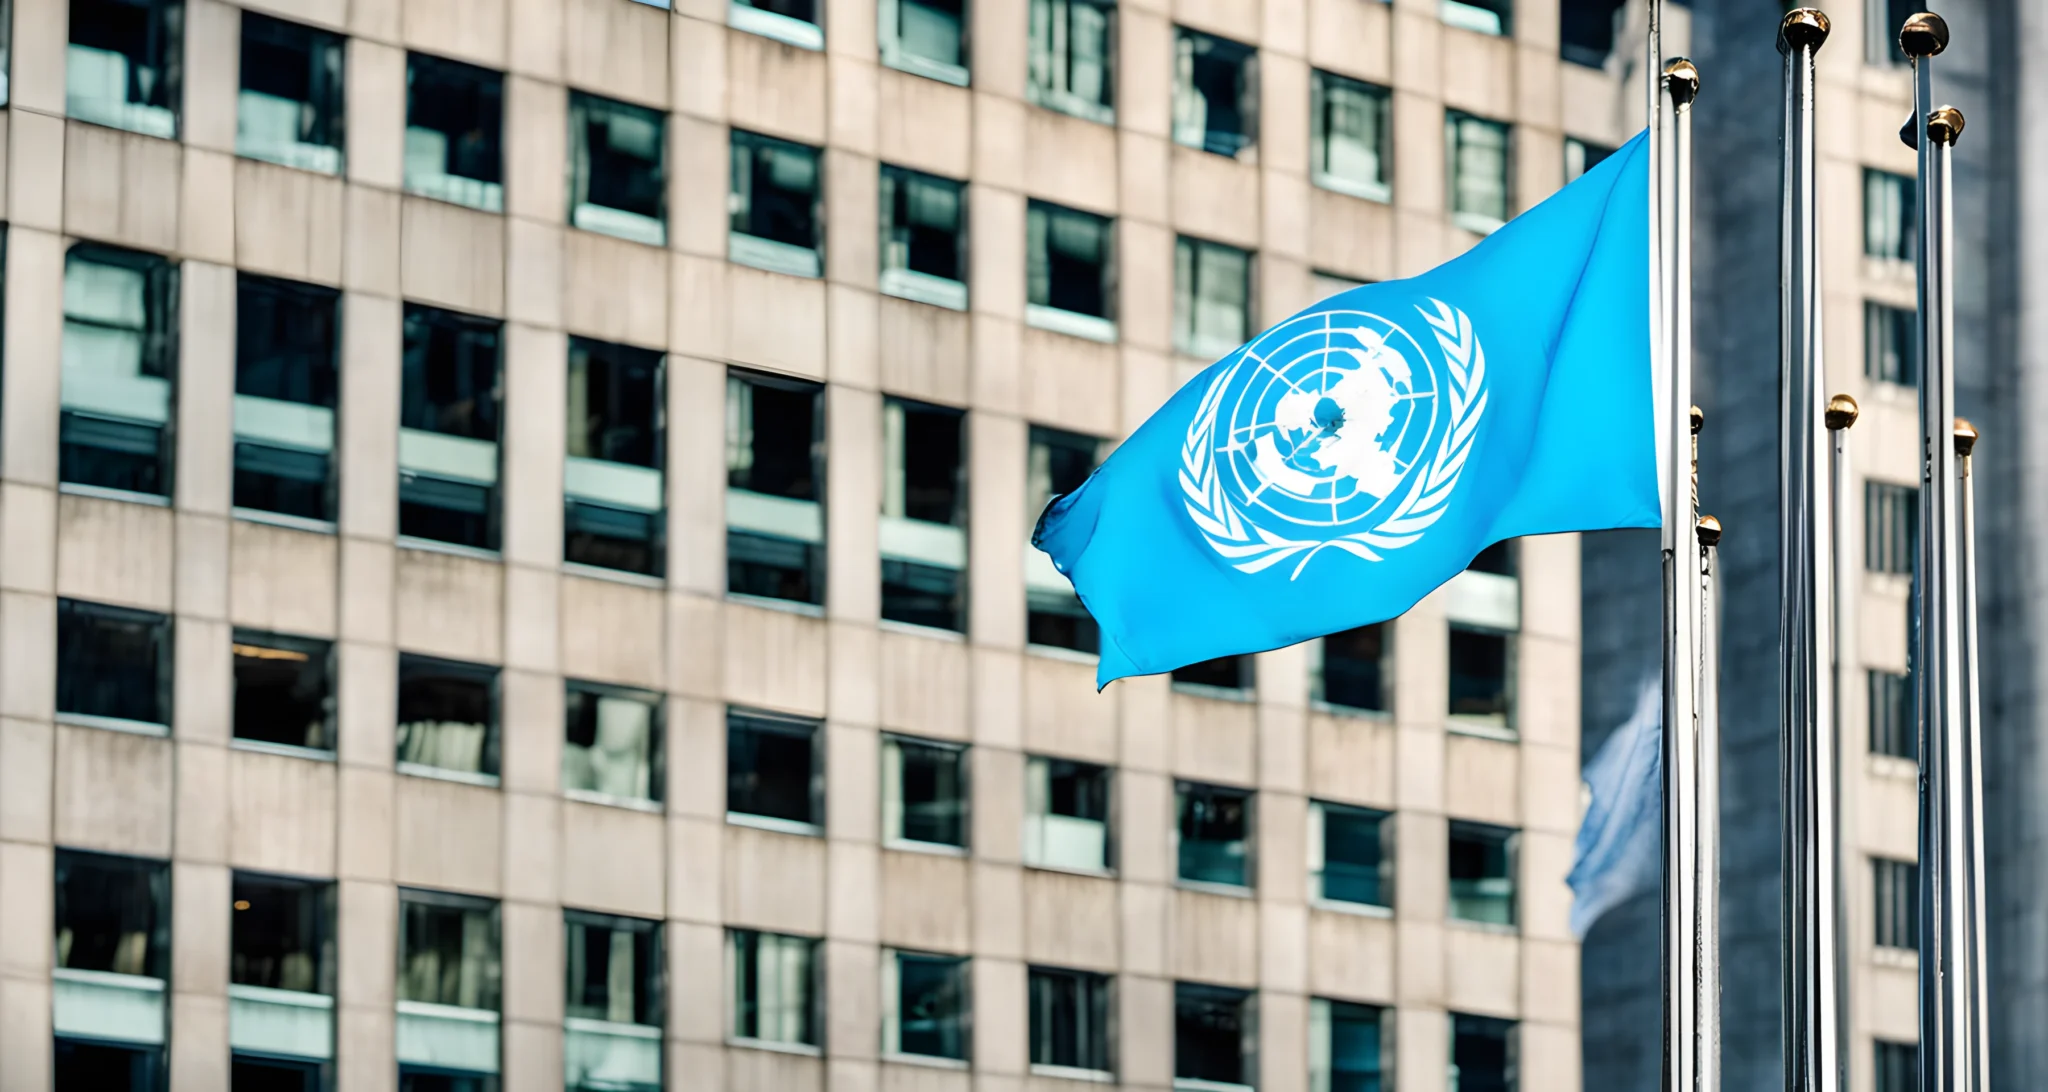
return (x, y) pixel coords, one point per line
(1335, 430)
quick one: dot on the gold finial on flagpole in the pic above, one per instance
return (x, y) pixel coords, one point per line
(1710, 531)
(1698, 419)
(1923, 35)
(1966, 437)
(1683, 77)
(1842, 412)
(1803, 27)
(1945, 124)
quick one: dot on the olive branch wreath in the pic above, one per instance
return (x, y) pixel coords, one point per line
(1252, 548)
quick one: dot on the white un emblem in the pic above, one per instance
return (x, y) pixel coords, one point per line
(1336, 429)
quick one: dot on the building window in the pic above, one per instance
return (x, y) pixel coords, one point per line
(1484, 1054)
(1054, 617)
(291, 105)
(1066, 815)
(1072, 66)
(924, 515)
(1215, 93)
(1893, 721)
(121, 69)
(120, 369)
(1891, 344)
(1212, 295)
(777, 223)
(612, 1015)
(1890, 230)
(113, 667)
(284, 691)
(1351, 136)
(1482, 868)
(1478, 151)
(1882, 20)
(1895, 898)
(1482, 676)
(281, 1000)
(447, 718)
(448, 428)
(612, 750)
(1481, 16)
(1213, 1036)
(454, 132)
(448, 958)
(1070, 1022)
(1586, 30)
(1891, 527)
(774, 496)
(1351, 668)
(287, 383)
(773, 771)
(774, 987)
(793, 22)
(618, 175)
(1346, 1046)
(926, 37)
(1581, 156)
(924, 792)
(1897, 1067)
(1349, 855)
(1215, 826)
(113, 955)
(1484, 608)
(925, 1005)
(924, 238)
(1070, 274)
(1328, 284)
(1224, 673)
(614, 491)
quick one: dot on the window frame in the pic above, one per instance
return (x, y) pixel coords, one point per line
(431, 898)
(166, 44)
(1509, 839)
(490, 757)
(1319, 665)
(779, 26)
(597, 488)
(652, 979)
(1891, 527)
(1888, 194)
(1479, 222)
(309, 647)
(483, 194)
(1894, 904)
(421, 322)
(1247, 1013)
(1320, 813)
(163, 638)
(158, 358)
(742, 717)
(326, 96)
(743, 247)
(1324, 1013)
(1891, 344)
(1321, 109)
(656, 744)
(288, 303)
(765, 508)
(1040, 219)
(901, 281)
(1192, 257)
(896, 813)
(1049, 68)
(892, 1007)
(1191, 47)
(586, 111)
(895, 54)
(1095, 991)
(814, 1014)
(1033, 855)
(1248, 839)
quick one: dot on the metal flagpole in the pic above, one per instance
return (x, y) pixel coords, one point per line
(1978, 1049)
(1842, 413)
(1945, 980)
(1811, 1033)
(1709, 834)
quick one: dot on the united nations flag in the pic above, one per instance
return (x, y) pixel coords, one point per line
(1341, 465)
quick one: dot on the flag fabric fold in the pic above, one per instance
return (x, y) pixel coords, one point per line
(1619, 848)
(1349, 460)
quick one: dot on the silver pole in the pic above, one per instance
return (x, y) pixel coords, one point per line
(1979, 1047)
(1841, 414)
(1945, 986)
(1709, 834)
(1806, 739)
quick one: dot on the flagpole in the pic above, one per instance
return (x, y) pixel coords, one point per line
(1811, 1027)
(1979, 1047)
(1946, 985)
(1709, 840)
(1841, 415)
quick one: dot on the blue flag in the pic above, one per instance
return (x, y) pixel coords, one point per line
(1620, 848)
(1341, 465)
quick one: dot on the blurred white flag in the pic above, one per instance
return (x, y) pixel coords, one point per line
(1618, 852)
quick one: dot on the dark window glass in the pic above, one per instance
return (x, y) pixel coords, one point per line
(1498, 559)
(1211, 1025)
(1066, 814)
(927, 469)
(1483, 1054)
(100, 1067)
(1895, 898)
(1893, 726)
(1223, 673)
(1897, 1067)
(926, 785)
(447, 715)
(120, 362)
(614, 518)
(1482, 871)
(1482, 685)
(619, 178)
(1586, 30)
(292, 102)
(1072, 64)
(448, 950)
(1215, 835)
(1355, 1060)
(417, 1080)
(1351, 136)
(284, 690)
(1356, 664)
(449, 491)
(113, 914)
(454, 129)
(774, 452)
(1890, 228)
(803, 11)
(931, 1005)
(1891, 527)
(923, 225)
(1484, 16)
(122, 69)
(1214, 93)
(1355, 865)
(1478, 153)
(614, 969)
(1212, 297)
(1070, 1019)
(283, 934)
(613, 742)
(923, 595)
(287, 376)
(772, 767)
(113, 662)
(1891, 344)
(251, 1074)
(1069, 256)
(775, 193)
(774, 987)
